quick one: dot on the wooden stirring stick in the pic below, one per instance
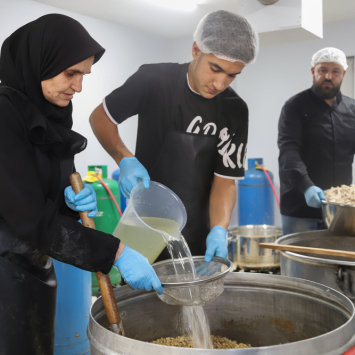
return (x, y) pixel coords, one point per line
(105, 285)
(348, 254)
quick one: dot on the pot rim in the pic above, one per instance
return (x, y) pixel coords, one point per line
(277, 231)
(274, 282)
(325, 202)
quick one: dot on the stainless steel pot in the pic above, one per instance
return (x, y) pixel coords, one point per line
(279, 315)
(335, 272)
(244, 246)
(339, 218)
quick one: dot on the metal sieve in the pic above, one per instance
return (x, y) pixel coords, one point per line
(184, 290)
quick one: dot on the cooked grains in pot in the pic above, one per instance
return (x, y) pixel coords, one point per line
(218, 342)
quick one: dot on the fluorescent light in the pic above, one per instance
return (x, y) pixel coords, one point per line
(179, 5)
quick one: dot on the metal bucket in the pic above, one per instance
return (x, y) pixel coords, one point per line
(244, 246)
(335, 272)
(280, 315)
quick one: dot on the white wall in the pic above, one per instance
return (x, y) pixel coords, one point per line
(126, 50)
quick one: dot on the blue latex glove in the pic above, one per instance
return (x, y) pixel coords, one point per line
(85, 200)
(313, 196)
(137, 272)
(216, 243)
(208, 269)
(131, 170)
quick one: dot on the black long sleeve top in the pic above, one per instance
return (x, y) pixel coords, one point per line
(34, 222)
(317, 145)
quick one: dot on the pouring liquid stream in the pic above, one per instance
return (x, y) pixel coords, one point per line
(193, 321)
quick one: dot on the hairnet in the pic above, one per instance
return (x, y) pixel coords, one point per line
(228, 36)
(329, 55)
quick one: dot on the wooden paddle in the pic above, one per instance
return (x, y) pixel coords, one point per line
(347, 254)
(105, 285)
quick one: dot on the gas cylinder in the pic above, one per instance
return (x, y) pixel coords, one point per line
(116, 176)
(107, 217)
(72, 310)
(255, 196)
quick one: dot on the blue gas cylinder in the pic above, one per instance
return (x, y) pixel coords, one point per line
(255, 196)
(116, 176)
(73, 310)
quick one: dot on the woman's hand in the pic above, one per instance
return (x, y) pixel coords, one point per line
(85, 200)
(136, 270)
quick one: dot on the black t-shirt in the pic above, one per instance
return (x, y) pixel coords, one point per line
(196, 114)
(149, 93)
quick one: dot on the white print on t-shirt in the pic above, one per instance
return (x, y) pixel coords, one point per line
(245, 155)
(229, 149)
(226, 140)
(206, 128)
(223, 135)
(227, 161)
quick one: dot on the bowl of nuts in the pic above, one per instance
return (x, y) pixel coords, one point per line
(339, 210)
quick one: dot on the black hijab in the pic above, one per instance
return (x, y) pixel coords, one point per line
(41, 50)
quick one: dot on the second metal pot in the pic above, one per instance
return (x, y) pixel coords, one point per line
(335, 272)
(244, 246)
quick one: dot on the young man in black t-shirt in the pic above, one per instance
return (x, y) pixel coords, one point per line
(192, 127)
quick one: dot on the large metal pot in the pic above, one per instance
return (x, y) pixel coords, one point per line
(280, 315)
(335, 272)
(244, 248)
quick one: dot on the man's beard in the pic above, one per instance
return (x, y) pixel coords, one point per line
(327, 92)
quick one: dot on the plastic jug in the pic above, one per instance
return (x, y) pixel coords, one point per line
(149, 213)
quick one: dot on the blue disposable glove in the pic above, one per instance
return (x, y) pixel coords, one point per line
(85, 200)
(313, 196)
(208, 269)
(131, 170)
(137, 272)
(216, 243)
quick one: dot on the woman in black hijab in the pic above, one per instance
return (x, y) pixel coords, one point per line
(41, 67)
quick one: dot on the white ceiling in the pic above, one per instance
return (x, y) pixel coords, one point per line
(145, 16)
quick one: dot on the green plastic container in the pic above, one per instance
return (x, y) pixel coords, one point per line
(108, 217)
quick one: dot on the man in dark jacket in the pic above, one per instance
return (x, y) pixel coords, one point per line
(316, 142)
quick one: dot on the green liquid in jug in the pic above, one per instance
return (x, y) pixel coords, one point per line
(145, 240)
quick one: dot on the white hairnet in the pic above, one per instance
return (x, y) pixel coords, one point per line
(228, 36)
(329, 55)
